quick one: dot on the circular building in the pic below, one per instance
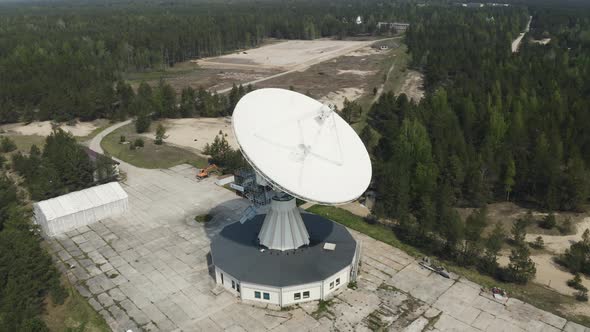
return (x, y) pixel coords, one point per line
(300, 148)
(284, 277)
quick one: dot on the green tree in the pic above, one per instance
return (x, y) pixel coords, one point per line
(160, 134)
(518, 230)
(143, 123)
(7, 144)
(474, 226)
(521, 268)
(509, 178)
(187, 102)
(165, 101)
(493, 245)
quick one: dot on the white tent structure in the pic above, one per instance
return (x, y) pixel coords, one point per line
(80, 208)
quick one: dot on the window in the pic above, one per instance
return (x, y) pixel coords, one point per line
(238, 287)
(297, 296)
(266, 296)
(306, 295)
(337, 281)
(257, 295)
(222, 278)
(233, 284)
(331, 285)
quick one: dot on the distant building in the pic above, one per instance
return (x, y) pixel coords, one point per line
(359, 20)
(397, 26)
(472, 5)
(481, 5)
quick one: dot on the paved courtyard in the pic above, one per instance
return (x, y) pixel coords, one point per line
(148, 270)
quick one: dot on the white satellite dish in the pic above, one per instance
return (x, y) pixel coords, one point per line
(304, 149)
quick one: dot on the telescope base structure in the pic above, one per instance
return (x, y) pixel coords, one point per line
(284, 277)
(283, 228)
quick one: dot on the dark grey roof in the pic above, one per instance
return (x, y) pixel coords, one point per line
(235, 250)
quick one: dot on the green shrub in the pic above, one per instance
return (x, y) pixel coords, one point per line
(566, 226)
(6, 144)
(582, 295)
(139, 143)
(548, 222)
(203, 218)
(576, 283)
(538, 243)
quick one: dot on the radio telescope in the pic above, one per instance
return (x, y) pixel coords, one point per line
(302, 149)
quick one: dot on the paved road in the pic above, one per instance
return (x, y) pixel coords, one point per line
(95, 141)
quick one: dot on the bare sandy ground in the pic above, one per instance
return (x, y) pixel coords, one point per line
(196, 132)
(558, 243)
(543, 41)
(516, 42)
(550, 274)
(355, 72)
(284, 55)
(356, 208)
(413, 86)
(45, 128)
(365, 51)
(337, 98)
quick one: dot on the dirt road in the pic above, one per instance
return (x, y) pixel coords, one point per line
(516, 43)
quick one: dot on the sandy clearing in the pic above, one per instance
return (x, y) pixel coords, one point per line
(196, 132)
(365, 51)
(543, 41)
(45, 128)
(356, 72)
(516, 42)
(558, 243)
(337, 98)
(413, 86)
(356, 208)
(240, 76)
(548, 273)
(285, 55)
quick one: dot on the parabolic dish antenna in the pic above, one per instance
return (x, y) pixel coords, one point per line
(301, 146)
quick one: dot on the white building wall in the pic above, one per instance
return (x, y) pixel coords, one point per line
(67, 212)
(284, 296)
(315, 293)
(343, 274)
(248, 292)
(227, 281)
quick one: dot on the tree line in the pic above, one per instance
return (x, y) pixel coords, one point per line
(61, 167)
(27, 273)
(495, 126)
(61, 61)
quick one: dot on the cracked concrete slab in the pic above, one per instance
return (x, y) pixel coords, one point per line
(147, 270)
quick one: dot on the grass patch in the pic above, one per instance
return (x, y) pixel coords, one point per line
(376, 231)
(535, 294)
(398, 75)
(151, 155)
(203, 218)
(104, 124)
(323, 309)
(24, 142)
(397, 57)
(75, 314)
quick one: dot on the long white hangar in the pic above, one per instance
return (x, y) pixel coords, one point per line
(80, 208)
